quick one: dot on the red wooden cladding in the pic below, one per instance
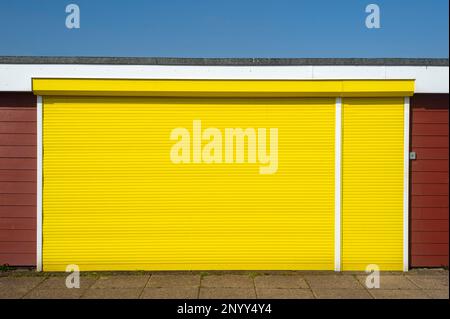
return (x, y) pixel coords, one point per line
(426, 129)
(429, 223)
(429, 165)
(429, 237)
(17, 235)
(424, 261)
(432, 153)
(426, 201)
(14, 175)
(18, 223)
(433, 141)
(18, 258)
(26, 247)
(18, 163)
(17, 211)
(18, 127)
(18, 179)
(426, 250)
(423, 189)
(17, 199)
(18, 151)
(429, 213)
(18, 187)
(18, 115)
(428, 178)
(10, 139)
(429, 116)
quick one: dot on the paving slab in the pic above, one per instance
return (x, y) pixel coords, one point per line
(73, 293)
(333, 282)
(227, 281)
(169, 281)
(398, 294)
(170, 293)
(280, 281)
(427, 272)
(13, 293)
(437, 294)
(282, 293)
(26, 283)
(121, 281)
(430, 282)
(227, 293)
(60, 282)
(114, 293)
(341, 294)
(391, 282)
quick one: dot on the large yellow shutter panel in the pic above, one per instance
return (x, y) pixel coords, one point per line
(114, 200)
(372, 189)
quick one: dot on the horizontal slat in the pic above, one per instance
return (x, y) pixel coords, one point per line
(18, 151)
(18, 115)
(18, 163)
(18, 187)
(430, 117)
(17, 175)
(429, 166)
(433, 237)
(17, 139)
(430, 189)
(17, 223)
(427, 141)
(429, 225)
(429, 201)
(431, 153)
(18, 211)
(8, 235)
(23, 247)
(429, 213)
(18, 127)
(17, 199)
(433, 129)
(429, 261)
(19, 259)
(429, 250)
(429, 178)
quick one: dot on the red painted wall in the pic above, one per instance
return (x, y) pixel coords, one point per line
(17, 179)
(429, 180)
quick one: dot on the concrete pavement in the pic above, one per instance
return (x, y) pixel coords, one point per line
(416, 284)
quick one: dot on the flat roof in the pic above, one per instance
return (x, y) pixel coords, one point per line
(223, 61)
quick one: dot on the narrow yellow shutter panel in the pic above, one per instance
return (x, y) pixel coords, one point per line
(372, 175)
(114, 200)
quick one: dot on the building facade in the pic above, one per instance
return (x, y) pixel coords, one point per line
(223, 164)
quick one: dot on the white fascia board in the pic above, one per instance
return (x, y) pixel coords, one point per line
(17, 77)
(431, 79)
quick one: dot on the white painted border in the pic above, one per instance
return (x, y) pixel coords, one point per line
(337, 184)
(17, 77)
(39, 186)
(406, 185)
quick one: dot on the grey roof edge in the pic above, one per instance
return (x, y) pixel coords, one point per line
(224, 61)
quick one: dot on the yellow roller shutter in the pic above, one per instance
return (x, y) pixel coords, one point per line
(372, 189)
(115, 197)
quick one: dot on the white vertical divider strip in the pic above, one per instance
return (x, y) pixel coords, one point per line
(406, 117)
(337, 185)
(39, 186)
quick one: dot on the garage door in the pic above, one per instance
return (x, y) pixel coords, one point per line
(150, 183)
(372, 183)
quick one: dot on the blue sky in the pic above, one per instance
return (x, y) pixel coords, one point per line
(226, 28)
